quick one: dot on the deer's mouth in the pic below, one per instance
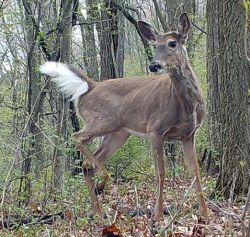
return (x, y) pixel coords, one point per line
(161, 71)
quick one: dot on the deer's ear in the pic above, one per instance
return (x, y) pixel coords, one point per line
(184, 27)
(148, 32)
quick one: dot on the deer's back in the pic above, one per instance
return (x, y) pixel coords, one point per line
(122, 96)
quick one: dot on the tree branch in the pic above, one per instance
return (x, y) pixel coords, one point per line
(160, 16)
(199, 28)
(130, 18)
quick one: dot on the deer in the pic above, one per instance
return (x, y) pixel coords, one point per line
(166, 105)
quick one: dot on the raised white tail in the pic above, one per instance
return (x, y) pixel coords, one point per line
(67, 81)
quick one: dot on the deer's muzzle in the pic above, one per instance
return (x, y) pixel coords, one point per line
(155, 67)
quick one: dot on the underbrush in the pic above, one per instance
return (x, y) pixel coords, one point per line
(128, 201)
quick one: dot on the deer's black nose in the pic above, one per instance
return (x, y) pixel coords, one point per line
(154, 67)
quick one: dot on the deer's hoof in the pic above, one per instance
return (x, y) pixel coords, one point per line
(99, 188)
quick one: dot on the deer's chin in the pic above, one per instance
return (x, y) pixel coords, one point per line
(161, 71)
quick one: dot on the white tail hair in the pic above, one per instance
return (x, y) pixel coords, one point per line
(67, 81)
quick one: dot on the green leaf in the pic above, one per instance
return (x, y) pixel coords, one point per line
(242, 163)
(247, 5)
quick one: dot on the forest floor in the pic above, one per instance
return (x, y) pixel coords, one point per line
(127, 205)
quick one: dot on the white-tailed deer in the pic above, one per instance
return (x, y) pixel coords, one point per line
(157, 107)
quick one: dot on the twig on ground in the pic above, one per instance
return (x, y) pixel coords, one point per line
(137, 202)
(176, 214)
(34, 220)
(115, 217)
(227, 213)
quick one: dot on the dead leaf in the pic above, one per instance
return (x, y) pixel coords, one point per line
(68, 215)
(36, 209)
(111, 231)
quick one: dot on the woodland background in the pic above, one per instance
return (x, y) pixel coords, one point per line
(41, 185)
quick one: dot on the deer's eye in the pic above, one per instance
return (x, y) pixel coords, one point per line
(172, 44)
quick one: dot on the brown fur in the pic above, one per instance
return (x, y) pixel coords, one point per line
(142, 100)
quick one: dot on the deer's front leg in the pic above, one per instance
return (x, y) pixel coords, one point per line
(157, 150)
(188, 147)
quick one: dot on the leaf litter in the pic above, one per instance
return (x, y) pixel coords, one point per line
(128, 207)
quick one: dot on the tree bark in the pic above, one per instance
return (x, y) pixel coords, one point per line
(214, 100)
(34, 97)
(63, 104)
(228, 75)
(88, 39)
(108, 37)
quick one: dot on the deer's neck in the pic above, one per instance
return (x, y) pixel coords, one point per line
(185, 84)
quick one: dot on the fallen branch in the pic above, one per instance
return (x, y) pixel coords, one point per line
(16, 222)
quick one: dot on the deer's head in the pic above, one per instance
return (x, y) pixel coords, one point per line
(169, 46)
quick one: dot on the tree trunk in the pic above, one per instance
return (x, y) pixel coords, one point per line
(132, 20)
(34, 98)
(120, 48)
(109, 40)
(63, 104)
(214, 100)
(228, 75)
(173, 12)
(88, 39)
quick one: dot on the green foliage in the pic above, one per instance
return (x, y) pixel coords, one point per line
(133, 68)
(247, 5)
(132, 158)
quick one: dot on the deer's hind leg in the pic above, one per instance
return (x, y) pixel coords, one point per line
(94, 129)
(110, 143)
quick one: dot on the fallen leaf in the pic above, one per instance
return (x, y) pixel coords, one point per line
(68, 215)
(111, 231)
(36, 209)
